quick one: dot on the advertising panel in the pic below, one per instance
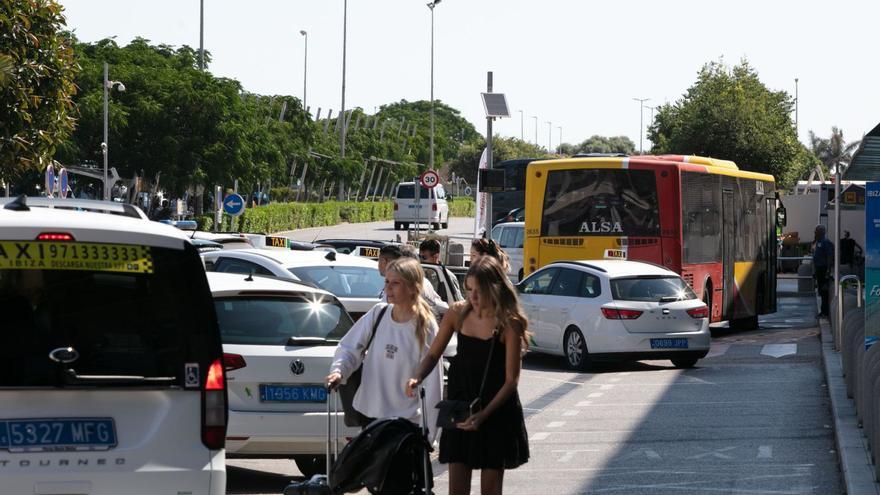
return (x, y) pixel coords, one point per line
(872, 263)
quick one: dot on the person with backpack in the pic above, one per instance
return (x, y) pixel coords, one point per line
(404, 331)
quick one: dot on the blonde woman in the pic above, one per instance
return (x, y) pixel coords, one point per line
(492, 333)
(402, 339)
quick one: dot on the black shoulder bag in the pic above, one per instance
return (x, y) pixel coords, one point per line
(452, 412)
(353, 417)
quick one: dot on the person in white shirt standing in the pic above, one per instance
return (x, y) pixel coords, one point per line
(393, 252)
(402, 339)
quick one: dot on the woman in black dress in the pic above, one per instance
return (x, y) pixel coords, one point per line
(491, 327)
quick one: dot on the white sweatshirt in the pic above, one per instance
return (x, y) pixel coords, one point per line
(391, 361)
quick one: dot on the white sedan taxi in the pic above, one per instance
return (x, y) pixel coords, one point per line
(278, 343)
(628, 310)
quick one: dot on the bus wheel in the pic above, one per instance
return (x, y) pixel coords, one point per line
(576, 356)
(707, 298)
(397, 225)
(747, 323)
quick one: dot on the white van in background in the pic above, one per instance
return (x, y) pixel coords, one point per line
(432, 207)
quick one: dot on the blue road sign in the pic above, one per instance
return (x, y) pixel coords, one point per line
(233, 204)
(63, 179)
(50, 180)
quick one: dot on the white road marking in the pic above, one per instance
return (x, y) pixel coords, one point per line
(573, 412)
(765, 452)
(539, 436)
(595, 395)
(584, 403)
(649, 453)
(555, 424)
(779, 350)
(569, 454)
(606, 387)
(714, 453)
(718, 350)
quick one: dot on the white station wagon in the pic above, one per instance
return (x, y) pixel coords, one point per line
(614, 309)
(278, 343)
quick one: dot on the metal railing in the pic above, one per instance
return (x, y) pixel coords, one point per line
(838, 328)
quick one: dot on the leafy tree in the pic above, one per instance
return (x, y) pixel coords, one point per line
(834, 149)
(180, 123)
(730, 114)
(602, 144)
(467, 161)
(37, 69)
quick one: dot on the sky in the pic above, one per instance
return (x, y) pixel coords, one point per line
(576, 64)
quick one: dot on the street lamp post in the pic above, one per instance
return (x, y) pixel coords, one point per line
(641, 120)
(202, 35)
(796, 107)
(560, 135)
(305, 35)
(522, 134)
(549, 136)
(108, 84)
(431, 159)
(342, 122)
(536, 129)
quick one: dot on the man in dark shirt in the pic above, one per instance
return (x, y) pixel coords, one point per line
(823, 257)
(848, 247)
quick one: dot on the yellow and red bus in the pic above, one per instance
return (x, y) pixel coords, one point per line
(700, 217)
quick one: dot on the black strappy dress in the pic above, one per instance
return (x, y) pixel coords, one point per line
(501, 442)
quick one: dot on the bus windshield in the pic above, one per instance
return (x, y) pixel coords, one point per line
(594, 202)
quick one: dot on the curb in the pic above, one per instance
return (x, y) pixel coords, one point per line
(856, 467)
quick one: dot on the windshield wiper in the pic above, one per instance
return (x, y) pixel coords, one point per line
(309, 341)
(72, 378)
(669, 299)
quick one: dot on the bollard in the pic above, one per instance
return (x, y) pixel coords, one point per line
(805, 274)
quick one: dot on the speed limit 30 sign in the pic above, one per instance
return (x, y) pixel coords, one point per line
(429, 179)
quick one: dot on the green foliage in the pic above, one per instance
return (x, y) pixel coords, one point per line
(730, 114)
(278, 217)
(180, 122)
(467, 160)
(602, 144)
(37, 70)
(833, 150)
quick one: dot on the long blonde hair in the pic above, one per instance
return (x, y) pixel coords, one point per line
(413, 276)
(494, 287)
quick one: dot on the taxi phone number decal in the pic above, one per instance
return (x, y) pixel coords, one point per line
(48, 255)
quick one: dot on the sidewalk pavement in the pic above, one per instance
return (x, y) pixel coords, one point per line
(852, 446)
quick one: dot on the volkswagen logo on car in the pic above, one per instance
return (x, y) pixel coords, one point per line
(297, 367)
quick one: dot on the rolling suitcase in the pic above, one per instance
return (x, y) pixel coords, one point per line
(318, 484)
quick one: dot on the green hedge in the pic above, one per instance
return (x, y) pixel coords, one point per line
(276, 217)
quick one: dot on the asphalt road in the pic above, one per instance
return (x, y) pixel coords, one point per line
(751, 418)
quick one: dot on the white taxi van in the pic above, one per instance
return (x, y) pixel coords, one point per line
(111, 376)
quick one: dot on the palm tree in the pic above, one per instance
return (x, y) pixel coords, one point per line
(833, 150)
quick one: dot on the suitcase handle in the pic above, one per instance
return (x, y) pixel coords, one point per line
(332, 425)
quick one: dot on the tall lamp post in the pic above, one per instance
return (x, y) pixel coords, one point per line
(560, 135)
(641, 120)
(340, 196)
(522, 134)
(305, 35)
(536, 129)
(202, 35)
(108, 84)
(431, 159)
(549, 137)
(796, 107)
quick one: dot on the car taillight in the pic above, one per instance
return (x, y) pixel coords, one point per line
(620, 314)
(55, 236)
(434, 207)
(701, 312)
(214, 408)
(395, 206)
(233, 362)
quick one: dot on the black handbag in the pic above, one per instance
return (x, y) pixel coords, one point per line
(353, 417)
(452, 412)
